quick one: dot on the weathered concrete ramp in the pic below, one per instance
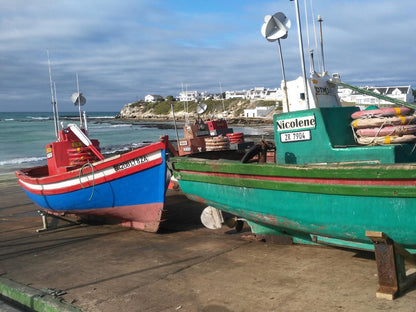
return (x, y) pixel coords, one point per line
(183, 268)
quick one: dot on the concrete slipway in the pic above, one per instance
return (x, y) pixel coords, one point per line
(184, 268)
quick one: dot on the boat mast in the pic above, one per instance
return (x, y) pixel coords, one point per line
(53, 99)
(283, 76)
(79, 103)
(174, 123)
(305, 82)
(222, 99)
(322, 43)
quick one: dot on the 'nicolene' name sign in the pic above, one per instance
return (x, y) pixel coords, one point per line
(307, 122)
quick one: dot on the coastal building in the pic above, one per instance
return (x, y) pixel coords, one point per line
(257, 93)
(189, 96)
(274, 95)
(153, 98)
(261, 111)
(242, 94)
(295, 93)
(403, 93)
(210, 96)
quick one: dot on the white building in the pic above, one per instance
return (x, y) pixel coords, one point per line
(274, 95)
(236, 94)
(189, 96)
(257, 93)
(153, 98)
(403, 93)
(261, 111)
(206, 96)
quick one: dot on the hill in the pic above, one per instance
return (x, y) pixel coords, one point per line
(234, 109)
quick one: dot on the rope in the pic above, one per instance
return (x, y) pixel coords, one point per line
(369, 140)
(93, 177)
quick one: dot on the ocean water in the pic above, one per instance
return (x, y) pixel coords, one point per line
(23, 136)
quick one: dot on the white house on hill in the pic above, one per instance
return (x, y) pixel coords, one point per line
(403, 93)
(236, 94)
(189, 96)
(153, 98)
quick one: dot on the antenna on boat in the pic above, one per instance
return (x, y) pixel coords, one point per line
(53, 99)
(305, 82)
(275, 28)
(79, 100)
(201, 108)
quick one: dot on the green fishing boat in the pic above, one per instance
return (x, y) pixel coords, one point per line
(316, 183)
(323, 188)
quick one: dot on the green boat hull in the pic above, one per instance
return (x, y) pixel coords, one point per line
(312, 217)
(323, 188)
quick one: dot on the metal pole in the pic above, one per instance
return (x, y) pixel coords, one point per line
(301, 53)
(176, 129)
(79, 103)
(55, 119)
(56, 107)
(284, 76)
(223, 106)
(322, 43)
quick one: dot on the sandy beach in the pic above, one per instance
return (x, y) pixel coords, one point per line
(185, 267)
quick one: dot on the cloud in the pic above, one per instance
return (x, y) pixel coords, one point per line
(125, 50)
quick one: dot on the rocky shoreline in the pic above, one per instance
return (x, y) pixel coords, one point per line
(136, 113)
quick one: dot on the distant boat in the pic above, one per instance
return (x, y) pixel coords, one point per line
(210, 135)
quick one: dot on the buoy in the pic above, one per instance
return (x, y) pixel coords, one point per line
(237, 137)
(387, 131)
(386, 139)
(390, 125)
(217, 143)
(377, 122)
(382, 112)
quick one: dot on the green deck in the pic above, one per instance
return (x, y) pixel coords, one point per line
(332, 141)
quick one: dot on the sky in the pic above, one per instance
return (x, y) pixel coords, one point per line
(124, 50)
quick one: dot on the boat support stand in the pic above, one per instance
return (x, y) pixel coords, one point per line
(390, 258)
(54, 222)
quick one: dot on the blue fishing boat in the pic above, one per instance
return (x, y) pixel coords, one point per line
(128, 187)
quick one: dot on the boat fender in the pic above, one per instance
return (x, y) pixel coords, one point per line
(212, 218)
